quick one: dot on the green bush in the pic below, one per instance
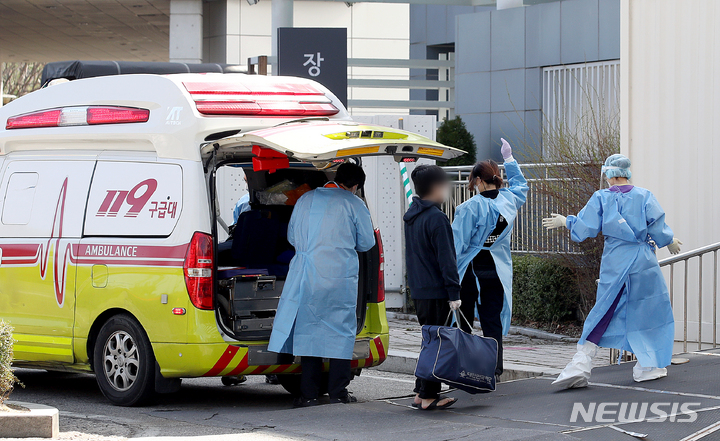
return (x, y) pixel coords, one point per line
(453, 133)
(544, 290)
(7, 377)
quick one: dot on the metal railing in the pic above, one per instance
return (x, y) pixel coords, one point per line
(528, 236)
(444, 84)
(685, 260)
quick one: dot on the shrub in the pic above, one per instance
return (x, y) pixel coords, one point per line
(7, 377)
(453, 133)
(544, 290)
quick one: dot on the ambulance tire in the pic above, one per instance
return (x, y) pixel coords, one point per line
(131, 382)
(291, 383)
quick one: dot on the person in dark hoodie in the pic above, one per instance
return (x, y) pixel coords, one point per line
(431, 266)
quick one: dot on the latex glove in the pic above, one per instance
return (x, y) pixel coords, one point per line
(455, 304)
(674, 246)
(506, 151)
(555, 221)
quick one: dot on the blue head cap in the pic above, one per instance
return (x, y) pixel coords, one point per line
(617, 166)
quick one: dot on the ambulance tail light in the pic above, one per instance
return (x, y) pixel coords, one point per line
(381, 268)
(116, 115)
(265, 108)
(198, 268)
(78, 116)
(279, 99)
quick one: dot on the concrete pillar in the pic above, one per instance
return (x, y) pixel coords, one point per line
(186, 34)
(221, 32)
(282, 17)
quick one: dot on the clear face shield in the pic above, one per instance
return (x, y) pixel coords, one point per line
(604, 180)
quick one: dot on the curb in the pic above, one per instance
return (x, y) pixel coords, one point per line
(40, 422)
(403, 362)
(514, 330)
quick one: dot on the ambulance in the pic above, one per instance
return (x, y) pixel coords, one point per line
(114, 257)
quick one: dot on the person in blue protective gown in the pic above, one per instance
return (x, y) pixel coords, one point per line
(316, 316)
(482, 230)
(241, 206)
(632, 311)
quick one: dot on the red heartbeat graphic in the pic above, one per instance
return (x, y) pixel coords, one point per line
(59, 273)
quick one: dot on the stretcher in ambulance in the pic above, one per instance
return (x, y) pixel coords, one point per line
(114, 257)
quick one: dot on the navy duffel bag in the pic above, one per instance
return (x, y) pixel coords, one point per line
(461, 360)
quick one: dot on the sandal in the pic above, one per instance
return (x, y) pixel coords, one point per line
(434, 404)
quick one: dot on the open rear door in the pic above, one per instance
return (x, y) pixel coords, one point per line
(320, 142)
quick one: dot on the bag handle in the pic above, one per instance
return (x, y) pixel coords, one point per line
(457, 320)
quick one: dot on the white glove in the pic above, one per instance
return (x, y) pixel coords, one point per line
(555, 221)
(455, 304)
(506, 151)
(674, 246)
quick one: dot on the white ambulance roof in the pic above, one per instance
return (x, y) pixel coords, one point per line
(175, 128)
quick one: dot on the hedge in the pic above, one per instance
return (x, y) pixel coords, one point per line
(7, 377)
(544, 290)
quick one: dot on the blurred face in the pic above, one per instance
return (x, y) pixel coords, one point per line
(440, 193)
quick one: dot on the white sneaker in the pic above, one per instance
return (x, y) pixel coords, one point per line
(577, 373)
(641, 374)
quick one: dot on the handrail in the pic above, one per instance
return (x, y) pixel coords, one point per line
(690, 254)
(468, 168)
(684, 258)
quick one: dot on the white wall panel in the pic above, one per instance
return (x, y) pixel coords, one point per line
(671, 121)
(386, 200)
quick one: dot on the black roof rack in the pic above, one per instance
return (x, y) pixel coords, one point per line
(75, 70)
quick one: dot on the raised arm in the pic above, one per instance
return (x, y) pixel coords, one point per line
(518, 184)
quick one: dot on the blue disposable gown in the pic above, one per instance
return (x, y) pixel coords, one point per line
(317, 311)
(643, 320)
(476, 218)
(242, 205)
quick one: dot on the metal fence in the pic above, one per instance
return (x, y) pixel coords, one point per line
(528, 235)
(570, 92)
(695, 287)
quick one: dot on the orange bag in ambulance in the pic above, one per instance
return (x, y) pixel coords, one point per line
(115, 257)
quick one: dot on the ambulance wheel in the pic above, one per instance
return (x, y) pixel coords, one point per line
(124, 362)
(291, 383)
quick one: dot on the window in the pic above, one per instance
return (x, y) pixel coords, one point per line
(19, 198)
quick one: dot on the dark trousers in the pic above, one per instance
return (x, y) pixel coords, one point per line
(311, 377)
(430, 312)
(492, 295)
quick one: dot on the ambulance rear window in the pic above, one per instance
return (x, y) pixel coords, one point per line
(19, 198)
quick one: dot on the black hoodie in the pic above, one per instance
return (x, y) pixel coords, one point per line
(430, 253)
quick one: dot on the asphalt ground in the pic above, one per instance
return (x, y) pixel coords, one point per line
(528, 410)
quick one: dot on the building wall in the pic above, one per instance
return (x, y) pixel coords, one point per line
(670, 127)
(499, 57)
(432, 31)
(235, 30)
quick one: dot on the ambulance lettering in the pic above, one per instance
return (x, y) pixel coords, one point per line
(111, 251)
(115, 199)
